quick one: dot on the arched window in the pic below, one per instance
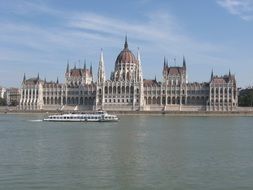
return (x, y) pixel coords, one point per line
(173, 100)
(123, 89)
(149, 100)
(145, 100)
(158, 100)
(168, 100)
(86, 101)
(132, 89)
(154, 100)
(163, 100)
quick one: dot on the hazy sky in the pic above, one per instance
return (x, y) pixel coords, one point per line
(41, 35)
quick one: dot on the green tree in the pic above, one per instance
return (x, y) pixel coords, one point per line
(2, 102)
(246, 98)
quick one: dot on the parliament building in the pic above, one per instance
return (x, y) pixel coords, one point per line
(127, 90)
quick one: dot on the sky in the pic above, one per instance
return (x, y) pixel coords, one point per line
(41, 36)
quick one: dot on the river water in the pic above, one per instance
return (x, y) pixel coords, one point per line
(138, 152)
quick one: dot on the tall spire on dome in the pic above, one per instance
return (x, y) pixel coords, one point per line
(101, 68)
(212, 75)
(126, 44)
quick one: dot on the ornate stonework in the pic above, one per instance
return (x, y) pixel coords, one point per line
(126, 90)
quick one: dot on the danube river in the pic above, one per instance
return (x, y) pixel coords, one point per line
(138, 152)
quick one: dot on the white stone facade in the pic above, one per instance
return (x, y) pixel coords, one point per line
(126, 90)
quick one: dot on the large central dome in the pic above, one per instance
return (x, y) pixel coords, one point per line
(126, 56)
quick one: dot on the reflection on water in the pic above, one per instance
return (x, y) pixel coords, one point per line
(138, 152)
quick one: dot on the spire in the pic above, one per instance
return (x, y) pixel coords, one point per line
(164, 63)
(67, 69)
(126, 44)
(45, 80)
(212, 75)
(57, 80)
(229, 74)
(38, 76)
(101, 68)
(84, 65)
(140, 77)
(184, 62)
(75, 66)
(91, 69)
(155, 77)
(24, 78)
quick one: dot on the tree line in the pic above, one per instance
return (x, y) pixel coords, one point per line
(245, 98)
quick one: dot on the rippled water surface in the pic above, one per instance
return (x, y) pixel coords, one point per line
(138, 152)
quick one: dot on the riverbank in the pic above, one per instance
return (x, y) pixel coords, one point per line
(169, 113)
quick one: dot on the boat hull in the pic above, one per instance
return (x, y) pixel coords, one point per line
(96, 117)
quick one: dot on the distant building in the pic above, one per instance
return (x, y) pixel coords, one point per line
(126, 90)
(12, 96)
(2, 92)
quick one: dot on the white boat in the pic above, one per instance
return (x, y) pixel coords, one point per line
(100, 116)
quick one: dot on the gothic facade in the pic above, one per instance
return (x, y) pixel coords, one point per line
(126, 90)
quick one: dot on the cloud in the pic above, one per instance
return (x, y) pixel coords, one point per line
(241, 8)
(78, 35)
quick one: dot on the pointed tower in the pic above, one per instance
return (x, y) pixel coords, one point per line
(165, 67)
(91, 72)
(140, 79)
(38, 76)
(84, 65)
(184, 63)
(57, 81)
(101, 69)
(24, 78)
(126, 44)
(212, 75)
(67, 69)
(164, 63)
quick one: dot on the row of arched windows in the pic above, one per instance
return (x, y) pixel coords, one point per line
(176, 100)
(69, 100)
(120, 90)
